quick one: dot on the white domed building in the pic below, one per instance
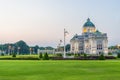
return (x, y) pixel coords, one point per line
(91, 41)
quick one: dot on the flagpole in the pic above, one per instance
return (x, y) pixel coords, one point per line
(64, 45)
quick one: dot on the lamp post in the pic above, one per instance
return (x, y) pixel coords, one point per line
(18, 50)
(2, 52)
(65, 32)
(13, 49)
(30, 51)
(9, 49)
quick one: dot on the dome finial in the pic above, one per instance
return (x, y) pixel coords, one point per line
(88, 19)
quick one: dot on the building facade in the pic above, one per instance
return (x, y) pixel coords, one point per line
(91, 41)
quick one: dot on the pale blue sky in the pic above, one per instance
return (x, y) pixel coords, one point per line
(42, 21)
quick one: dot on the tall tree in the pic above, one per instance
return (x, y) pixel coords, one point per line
(36, 48)
(67, 47)
(22, 47)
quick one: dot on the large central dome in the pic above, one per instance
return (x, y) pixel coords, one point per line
(88, 24)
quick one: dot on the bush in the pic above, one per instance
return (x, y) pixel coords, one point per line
(68, 54)
(101, 57)
(85, 56)
(76, 54)
(2, 54)
(13, 55)
(79, 54)
(118, 55)
(109, 53)
(40, 56)
(59, 55)
(46, 57)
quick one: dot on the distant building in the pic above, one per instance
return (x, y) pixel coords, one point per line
(46, 51)
(91, 41)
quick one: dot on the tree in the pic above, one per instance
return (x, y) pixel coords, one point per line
(112, 47)
(41, 48)
(67, 47)
(46, 57)
(40, 56)
(36, 48)
(6, 48)
(118, 55)
(49, 48)
(24, 48)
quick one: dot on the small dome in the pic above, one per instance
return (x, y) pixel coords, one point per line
(88, 24)
(98, 32)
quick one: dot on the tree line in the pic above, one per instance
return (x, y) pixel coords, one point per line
(21, 47)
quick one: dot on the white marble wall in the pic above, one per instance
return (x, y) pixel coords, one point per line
(90, 45)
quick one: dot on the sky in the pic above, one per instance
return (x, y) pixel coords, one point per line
(41, 22)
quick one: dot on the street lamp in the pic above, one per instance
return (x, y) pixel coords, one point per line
(30, 51)
(18, 50)
(13, 48)
(2, 52)
(65, 32)
(9, 50)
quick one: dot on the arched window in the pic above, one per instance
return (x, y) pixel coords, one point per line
(99, 46)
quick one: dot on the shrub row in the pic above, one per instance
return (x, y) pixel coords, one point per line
(59, 57)
(28, 58)
(85, 58)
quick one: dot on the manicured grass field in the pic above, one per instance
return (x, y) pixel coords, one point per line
(59, 70)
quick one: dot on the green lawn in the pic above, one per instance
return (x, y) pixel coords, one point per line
(60, 70)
